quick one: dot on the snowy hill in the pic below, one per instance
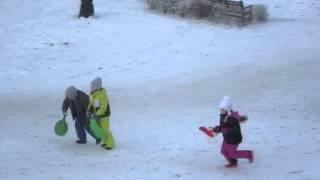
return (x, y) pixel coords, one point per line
(165, 76)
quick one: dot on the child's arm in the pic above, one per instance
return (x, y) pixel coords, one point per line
(216, 129)
(65, 106)
(243, 118)
(103, 103)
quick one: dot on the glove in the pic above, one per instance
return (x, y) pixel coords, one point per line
(89, 115)
(216, 129)
(92, 115)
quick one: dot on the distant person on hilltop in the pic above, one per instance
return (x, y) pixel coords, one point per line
(86, 9)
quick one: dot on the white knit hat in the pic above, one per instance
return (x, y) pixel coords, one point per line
(71, 92)
(96, 84)
(225, 103)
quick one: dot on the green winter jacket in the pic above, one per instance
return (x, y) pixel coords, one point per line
(99, 103)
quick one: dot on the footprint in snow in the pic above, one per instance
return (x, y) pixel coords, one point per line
(296, 172)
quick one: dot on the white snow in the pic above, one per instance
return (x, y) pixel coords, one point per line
(165, 76)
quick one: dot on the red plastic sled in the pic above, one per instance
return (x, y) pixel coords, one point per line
(207, 131)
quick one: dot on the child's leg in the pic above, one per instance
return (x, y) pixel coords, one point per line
(233, 162)
(234, 153)
(80, 130)
(108, 138)
(224, 152)
(88, 129)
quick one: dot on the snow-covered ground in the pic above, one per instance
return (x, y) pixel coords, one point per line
(165, 76)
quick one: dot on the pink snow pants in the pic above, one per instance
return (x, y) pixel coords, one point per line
(230, 152)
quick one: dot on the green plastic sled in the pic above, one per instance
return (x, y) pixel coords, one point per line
(97, 131)
(61, 127)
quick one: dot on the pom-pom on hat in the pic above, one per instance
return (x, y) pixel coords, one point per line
(96, 84)
(226, 104)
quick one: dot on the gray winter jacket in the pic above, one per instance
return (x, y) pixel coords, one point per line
(78, 106)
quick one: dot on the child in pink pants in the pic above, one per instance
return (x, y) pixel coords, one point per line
(232, 137)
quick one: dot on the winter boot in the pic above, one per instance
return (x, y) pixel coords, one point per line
(108, 148)
(98, 141)
(81, 142)
(251, 156)
(232, 163)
